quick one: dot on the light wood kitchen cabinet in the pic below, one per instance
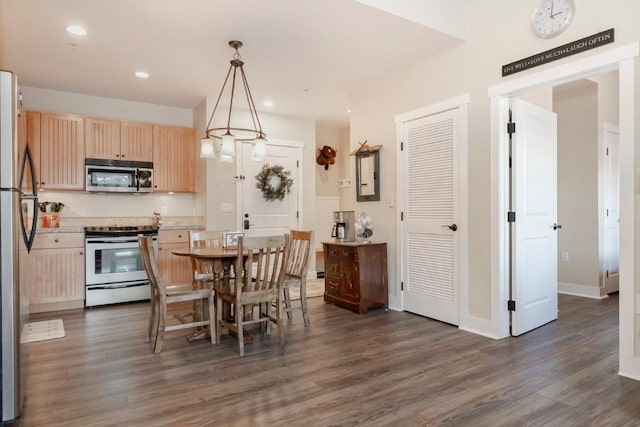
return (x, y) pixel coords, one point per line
(54, 274)
(173, 268)
(58, 149)
(174, 159)
(118, 140)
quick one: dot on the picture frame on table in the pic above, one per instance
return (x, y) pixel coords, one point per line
(230, 239)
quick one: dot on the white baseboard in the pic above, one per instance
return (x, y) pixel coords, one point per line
(580, 290)
(629, 375)
(478, 332)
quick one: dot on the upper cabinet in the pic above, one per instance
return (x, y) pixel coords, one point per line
(60, 143)
(174, 159)
(117, 140)
(58, 149)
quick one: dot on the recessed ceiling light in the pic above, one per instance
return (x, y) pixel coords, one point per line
(141, 75)
(349, 111)
(76, 30)
(268, 103)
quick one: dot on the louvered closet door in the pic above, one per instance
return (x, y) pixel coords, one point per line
(431, 187)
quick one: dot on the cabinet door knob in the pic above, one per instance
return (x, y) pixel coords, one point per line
(55, 240)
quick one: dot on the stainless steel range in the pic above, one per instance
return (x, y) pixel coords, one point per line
(114, 270)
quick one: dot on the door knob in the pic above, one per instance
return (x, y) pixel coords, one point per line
(245, 223)
(452, 227)
(556, 226)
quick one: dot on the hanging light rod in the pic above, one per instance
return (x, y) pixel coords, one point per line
(231, 133)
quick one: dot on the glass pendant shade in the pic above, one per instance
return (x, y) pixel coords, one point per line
(226, 158)
(207, 149)
(259, 152)
(228, 145)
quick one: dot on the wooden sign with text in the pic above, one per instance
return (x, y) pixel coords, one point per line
(587, 43)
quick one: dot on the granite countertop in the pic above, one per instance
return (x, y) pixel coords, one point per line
(77, 224)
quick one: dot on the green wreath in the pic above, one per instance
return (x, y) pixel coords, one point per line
(274, 191)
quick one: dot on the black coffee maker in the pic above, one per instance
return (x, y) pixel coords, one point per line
(343, 226)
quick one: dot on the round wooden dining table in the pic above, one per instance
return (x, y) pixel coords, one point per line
(222, 259)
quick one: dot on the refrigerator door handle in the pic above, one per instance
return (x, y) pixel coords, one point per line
(28, 240)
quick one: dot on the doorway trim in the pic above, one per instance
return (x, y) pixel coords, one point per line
(621, 59)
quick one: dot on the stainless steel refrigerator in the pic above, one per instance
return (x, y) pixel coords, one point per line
(18, 220)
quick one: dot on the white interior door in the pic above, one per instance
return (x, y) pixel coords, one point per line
(257, 216)
(430, 240)
(612, 210)
(534, 274)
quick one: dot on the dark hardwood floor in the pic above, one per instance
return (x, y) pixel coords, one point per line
(376, 369)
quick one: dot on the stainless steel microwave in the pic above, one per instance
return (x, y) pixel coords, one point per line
(118, 176)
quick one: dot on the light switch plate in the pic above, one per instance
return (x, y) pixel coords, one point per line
(344, 183)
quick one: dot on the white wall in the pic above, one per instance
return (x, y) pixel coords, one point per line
(327, 180)
(98, 106)
(576, 104)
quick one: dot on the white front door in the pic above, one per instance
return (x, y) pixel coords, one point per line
(256, 215)
(430, 241)
(534, 274)
(611, 210)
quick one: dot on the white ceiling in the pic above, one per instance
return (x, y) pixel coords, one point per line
(305, 55)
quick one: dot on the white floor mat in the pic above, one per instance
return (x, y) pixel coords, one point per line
(41, 331)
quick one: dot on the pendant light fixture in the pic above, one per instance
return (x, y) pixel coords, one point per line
(223, 139)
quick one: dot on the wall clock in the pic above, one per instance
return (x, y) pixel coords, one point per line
(552, 17)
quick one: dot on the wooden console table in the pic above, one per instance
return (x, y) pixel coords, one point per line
(355, 275)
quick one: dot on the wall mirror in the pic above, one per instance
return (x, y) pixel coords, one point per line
(368, 176)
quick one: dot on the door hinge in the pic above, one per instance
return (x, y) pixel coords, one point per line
(511, 305)
(607, 151)
(509, 162)
(607, 212)
(401, 146)
(607, 274)
(401, 216)
(511, 216)
(511, 128)
(297, 214)
(402, 286)
(297, 163)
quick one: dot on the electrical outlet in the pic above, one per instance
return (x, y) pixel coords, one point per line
(564, 256)
(164, 210)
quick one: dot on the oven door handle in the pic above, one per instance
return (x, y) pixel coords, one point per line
(113, 242)
(128, 285)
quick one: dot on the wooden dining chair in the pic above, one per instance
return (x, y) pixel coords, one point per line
(259, 270)
(203, 269)
(295, 271)
(164, 295)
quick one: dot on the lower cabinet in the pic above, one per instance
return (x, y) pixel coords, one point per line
(53, 272)
(173, 268)
(355, 275)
